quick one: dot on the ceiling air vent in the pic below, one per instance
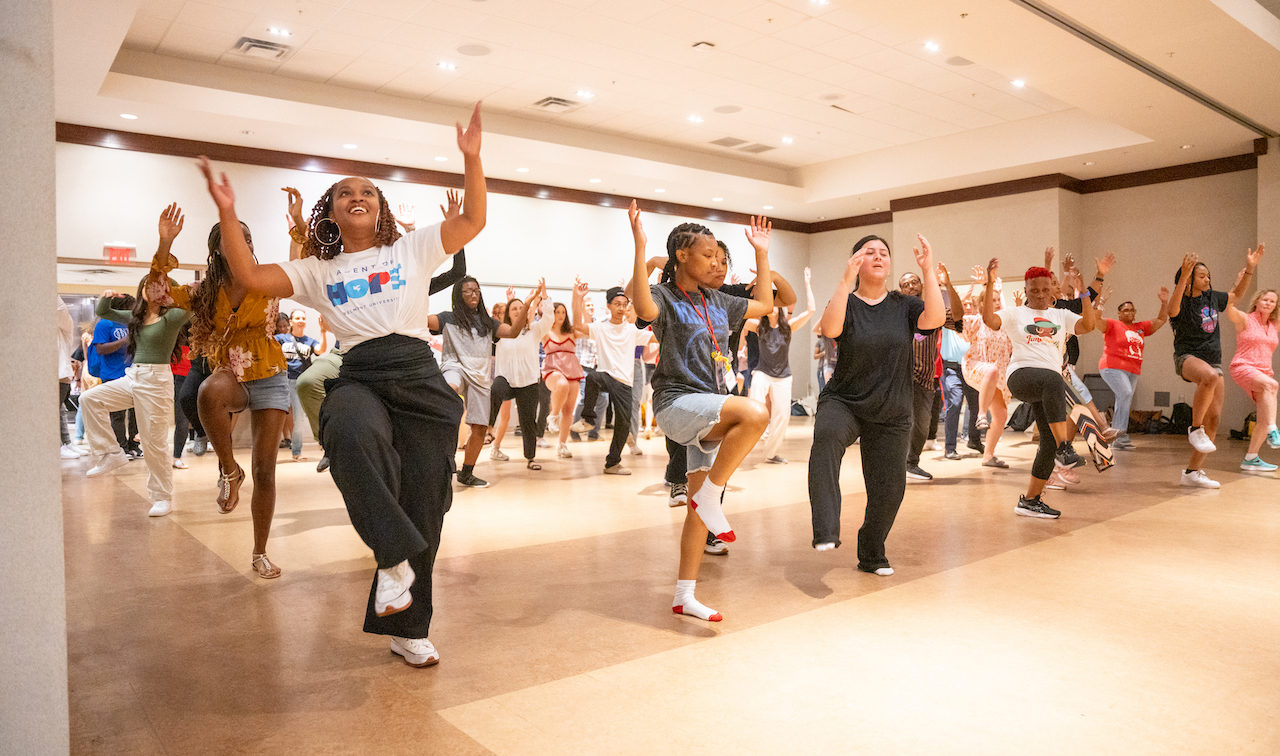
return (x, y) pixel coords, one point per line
(729, 142)
(556, 104)
(261, 48)
(756, 148)
(956, 60)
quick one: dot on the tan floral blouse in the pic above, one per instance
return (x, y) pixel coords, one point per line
(244, 337)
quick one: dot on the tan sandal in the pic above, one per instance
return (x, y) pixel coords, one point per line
(229, 490)
(264, 567)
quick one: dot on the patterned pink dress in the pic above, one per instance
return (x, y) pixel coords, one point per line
(561, 357)
(986, 347)
(1255, 346)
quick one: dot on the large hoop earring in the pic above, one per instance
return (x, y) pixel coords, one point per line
(327, 232)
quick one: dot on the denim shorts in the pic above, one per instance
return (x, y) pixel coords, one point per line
(1081, 390)
(271, 392)
(687, 421)
(1179, 359)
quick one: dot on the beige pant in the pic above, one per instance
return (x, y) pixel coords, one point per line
(148, 389)
(779, 392)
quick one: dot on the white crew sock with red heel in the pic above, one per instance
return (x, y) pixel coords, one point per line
(706, 502)
(685, 603)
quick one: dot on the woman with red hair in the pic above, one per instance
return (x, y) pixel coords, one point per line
(1038, 332)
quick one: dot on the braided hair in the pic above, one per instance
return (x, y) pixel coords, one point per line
(681, 237)
(204, 303)
(386, 233)
(472, 318)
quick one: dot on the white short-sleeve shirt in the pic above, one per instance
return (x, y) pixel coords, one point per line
(616, 348)
(374, 293)
(1038, 336)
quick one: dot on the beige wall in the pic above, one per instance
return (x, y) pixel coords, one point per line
(1149, 229)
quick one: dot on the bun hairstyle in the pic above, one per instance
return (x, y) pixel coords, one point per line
(1036, 271)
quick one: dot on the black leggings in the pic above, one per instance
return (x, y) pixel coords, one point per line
(189, 394)
(677, 462)
(884, 468)
(526, 409)
(180, 423)
(1046, 392)
(389, 425)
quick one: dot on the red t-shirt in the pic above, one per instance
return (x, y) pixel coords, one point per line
(1123, 348)
(182, 366)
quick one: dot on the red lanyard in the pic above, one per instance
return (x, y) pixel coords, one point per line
(705, 315)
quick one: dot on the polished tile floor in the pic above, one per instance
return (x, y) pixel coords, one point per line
(1145, 621)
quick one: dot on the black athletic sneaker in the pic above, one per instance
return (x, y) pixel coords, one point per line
(1035, 508)
(470, 479)
(1067, 457)
(915, 473)
(323, 464)
(715, 546)
(976, 445)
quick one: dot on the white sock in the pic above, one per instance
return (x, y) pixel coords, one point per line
(1250, 456)
(706, 502)
(685, 603)
(828, 546)
(1270, 428)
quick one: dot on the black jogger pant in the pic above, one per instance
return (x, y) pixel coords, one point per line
(391, 443)
(619, 400)
(677, 462)
(1046, 392)
(526, 409)
(884, 461)
(923, 416)
(189, 394)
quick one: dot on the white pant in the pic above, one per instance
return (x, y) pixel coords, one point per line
(148, 389)
(779, 393)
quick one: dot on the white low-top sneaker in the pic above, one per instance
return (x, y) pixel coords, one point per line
(70, 452)
(393, 589)
(1197, 479)
(110, 462)
(160, 509)
(1201, 441)
(417, 652)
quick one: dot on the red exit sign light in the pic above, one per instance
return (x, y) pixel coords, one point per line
(119, 253)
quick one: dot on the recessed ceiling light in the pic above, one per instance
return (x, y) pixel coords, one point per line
(659, 191)
(932, 46)
(594, 181)
(831, 97)
(441, 158)
(246, 132)
(1088, 162)
(695, 119)
(350, 146)
(584, 94)
(447, 66)
(768, 207)
(728, 109)
(129, 116)
(522, 170)
(280, 32)
(787, 140)
(717, 199)
(822, 217)
(820, 2)
(1187, 146)
(875, 209)
(1019, 83)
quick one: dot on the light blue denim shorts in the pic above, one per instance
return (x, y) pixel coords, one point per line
(688, 420)
(271, 392)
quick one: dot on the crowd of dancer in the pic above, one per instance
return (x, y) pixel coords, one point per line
(389, 413)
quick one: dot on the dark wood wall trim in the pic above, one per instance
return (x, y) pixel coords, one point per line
(160, 145)
(986, 191)
(1172, 173)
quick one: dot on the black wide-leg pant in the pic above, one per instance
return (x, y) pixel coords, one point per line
(884, 468)
(391, 449)
(620, 400)
(526, 410)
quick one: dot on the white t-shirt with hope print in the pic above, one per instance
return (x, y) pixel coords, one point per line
(1039, 337)
(374, 293)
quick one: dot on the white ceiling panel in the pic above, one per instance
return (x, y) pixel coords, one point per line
(167, 9)
(812, 33)
(339, 43)
(309, 12)
(213, 18)
(630, 11)
(368, 74)
(361, 24)
(768, 18)
(146, 32)
(314, 65)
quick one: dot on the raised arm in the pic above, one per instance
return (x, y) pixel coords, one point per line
(1252, 258)
(577, 308)
(989, 317)
(532, 303)
(1088, 315)
(1237, 317)
(832, 321)
(269, 279)
(762, 298)
(800, 318)
(935, 312)
(786, 292)
(1163, 317)
(452, 275)
(1175, 299)
(641, 299)
(456, 232)
(297, 226)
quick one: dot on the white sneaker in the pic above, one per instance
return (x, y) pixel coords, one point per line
(417, 652)
(635, 448)
(110, 462)
(932, 445)
(160, 509)
(393, 589)
(563, 452)
(1197, 479)
(543, 443)
(553, 424)
(70, 452)
(496, 454)
(1201, 441)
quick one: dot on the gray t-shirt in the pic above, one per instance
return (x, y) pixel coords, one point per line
(685, 362)
(468, 350)
(775, 350)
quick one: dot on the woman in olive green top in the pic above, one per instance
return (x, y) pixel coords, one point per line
(147, 387)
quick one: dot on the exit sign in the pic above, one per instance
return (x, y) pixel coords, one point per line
(119, 252)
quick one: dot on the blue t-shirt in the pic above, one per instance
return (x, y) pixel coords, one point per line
(110, 366)
(298, 351)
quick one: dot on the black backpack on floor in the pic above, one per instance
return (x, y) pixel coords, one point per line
(1180, 418)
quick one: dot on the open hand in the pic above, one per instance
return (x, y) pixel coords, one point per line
(979, 275)
(1163, 295)
(454, 208)
(1048, 257)
(637, 228)
(808, 276)
(924, 254)
(993, 267)
(943, 275)
(323, 325)
(1188, 264)
(854, 267)
(511, 293)
(1254, 256)
(295, 206)
(404, 215)
(469, 140)
(758, 233)
(1017, 297)
(171, 220)
(219, 188)
(580, 287)
(1105, 264)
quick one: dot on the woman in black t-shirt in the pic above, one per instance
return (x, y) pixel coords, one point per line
(869, 394)
(1197, 353)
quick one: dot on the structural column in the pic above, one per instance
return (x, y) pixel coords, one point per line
(33, 633)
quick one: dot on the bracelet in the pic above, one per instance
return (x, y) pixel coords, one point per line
(298, 234)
